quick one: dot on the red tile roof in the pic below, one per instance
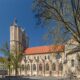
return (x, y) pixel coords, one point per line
(44, 49)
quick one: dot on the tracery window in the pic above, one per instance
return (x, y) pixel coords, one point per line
(28, 67)
(53, 67)
(37, 57)
(48, 56)
(40, 67)
(45, 57)
(60, 66)
(47, 67)
(34, 67)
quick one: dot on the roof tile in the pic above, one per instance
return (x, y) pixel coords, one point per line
(44, 49)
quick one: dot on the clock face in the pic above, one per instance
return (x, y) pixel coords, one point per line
(58, 56)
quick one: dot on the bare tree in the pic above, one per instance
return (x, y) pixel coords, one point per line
(65, 12)
(62, 18)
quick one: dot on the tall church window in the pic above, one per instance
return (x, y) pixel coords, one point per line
(72, 63)
(47, 67)
(34, 67)
(40, 67)
(60, 66)
(48, 56)
(34, 57)
(28, 57)
(45, 57)
(53, 67)
(28, 67)
(37, 57)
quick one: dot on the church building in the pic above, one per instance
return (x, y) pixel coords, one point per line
(41, 60)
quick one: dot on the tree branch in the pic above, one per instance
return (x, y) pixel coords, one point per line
(67, 26)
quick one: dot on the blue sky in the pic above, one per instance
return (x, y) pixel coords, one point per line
(22, 10)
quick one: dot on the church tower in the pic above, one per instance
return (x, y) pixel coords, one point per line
(18, 39)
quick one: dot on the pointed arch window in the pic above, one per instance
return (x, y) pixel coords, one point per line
(47, 67)
(34, 67)
(28, 67)
(48, 56)
(45, 57)
(40, 67)
(53, 67)
(60, 66)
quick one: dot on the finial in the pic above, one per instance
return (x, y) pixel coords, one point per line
(15, 21)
